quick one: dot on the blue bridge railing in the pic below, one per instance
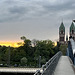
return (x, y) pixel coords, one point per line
(71, 50)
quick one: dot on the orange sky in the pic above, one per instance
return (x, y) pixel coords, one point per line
(14, 43)
(11, 43)
(55, 43)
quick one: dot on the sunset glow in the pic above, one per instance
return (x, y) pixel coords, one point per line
(55, 43)
(12, 44)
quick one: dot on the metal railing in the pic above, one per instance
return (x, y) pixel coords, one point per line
(49, 67)
(71, 50)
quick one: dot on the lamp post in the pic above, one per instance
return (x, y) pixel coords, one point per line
(39, 61)
(9, 57)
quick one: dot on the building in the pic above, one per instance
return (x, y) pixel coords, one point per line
(62, 34)
(72, 31)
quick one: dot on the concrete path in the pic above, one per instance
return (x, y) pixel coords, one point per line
(64, 67)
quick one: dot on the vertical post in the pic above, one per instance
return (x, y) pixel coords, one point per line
(9, 57)
(39, 61)
(74, 59)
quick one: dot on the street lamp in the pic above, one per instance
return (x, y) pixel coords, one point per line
(39, 61)
(9, 57)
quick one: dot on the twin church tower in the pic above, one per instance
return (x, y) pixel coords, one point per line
(62, 33)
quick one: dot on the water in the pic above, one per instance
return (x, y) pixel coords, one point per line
(16, 73)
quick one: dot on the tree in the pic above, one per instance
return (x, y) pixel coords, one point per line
(17, 54)
(7, 55)
(27, 46)
(23, 61)
(23, 38)
(45, 49)
(63, 49)
(34, 42)
(26, 41)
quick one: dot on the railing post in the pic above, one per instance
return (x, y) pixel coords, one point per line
(43, 67)
(37, 72)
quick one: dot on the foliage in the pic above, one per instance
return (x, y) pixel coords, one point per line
(63, 49)
(28, 53)
(24, 61)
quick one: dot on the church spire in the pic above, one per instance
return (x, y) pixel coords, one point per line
(72, 31)
(62, 33)
(62, 27)
(72, 27)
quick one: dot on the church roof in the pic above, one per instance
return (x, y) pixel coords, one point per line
(62, 27)
(72, 27)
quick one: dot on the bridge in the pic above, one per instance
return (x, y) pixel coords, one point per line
(57, 65)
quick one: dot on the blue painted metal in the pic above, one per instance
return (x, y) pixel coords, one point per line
(70, 50)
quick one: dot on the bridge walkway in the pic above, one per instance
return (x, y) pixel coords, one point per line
(64, 67)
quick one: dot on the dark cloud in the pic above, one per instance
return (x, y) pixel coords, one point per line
(59, 6)
(35, 8)
(10, 1)
(18, 10)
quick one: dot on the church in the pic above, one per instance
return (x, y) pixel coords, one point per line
(62, 33)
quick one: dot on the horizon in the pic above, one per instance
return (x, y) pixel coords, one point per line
(11, 43)
(15, 43)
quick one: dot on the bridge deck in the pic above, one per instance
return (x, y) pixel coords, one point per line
(64, 67)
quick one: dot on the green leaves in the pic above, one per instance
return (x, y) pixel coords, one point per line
(23, 61)
(28, 53)
(45, 49)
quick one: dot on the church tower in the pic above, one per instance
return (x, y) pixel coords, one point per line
(72, 31)
(62, 34)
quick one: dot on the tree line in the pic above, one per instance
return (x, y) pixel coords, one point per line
(30, 54)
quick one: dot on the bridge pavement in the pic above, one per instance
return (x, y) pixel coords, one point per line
(64, 67)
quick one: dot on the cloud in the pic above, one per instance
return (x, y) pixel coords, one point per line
(18, 10)
(21, 9)
(34, 18)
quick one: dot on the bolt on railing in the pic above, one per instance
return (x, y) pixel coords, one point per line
(49, 67)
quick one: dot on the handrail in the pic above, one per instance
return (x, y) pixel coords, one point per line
(71, 50)
(37, 72)
(49, 67)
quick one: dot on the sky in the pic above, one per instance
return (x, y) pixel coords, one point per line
(34, 19)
